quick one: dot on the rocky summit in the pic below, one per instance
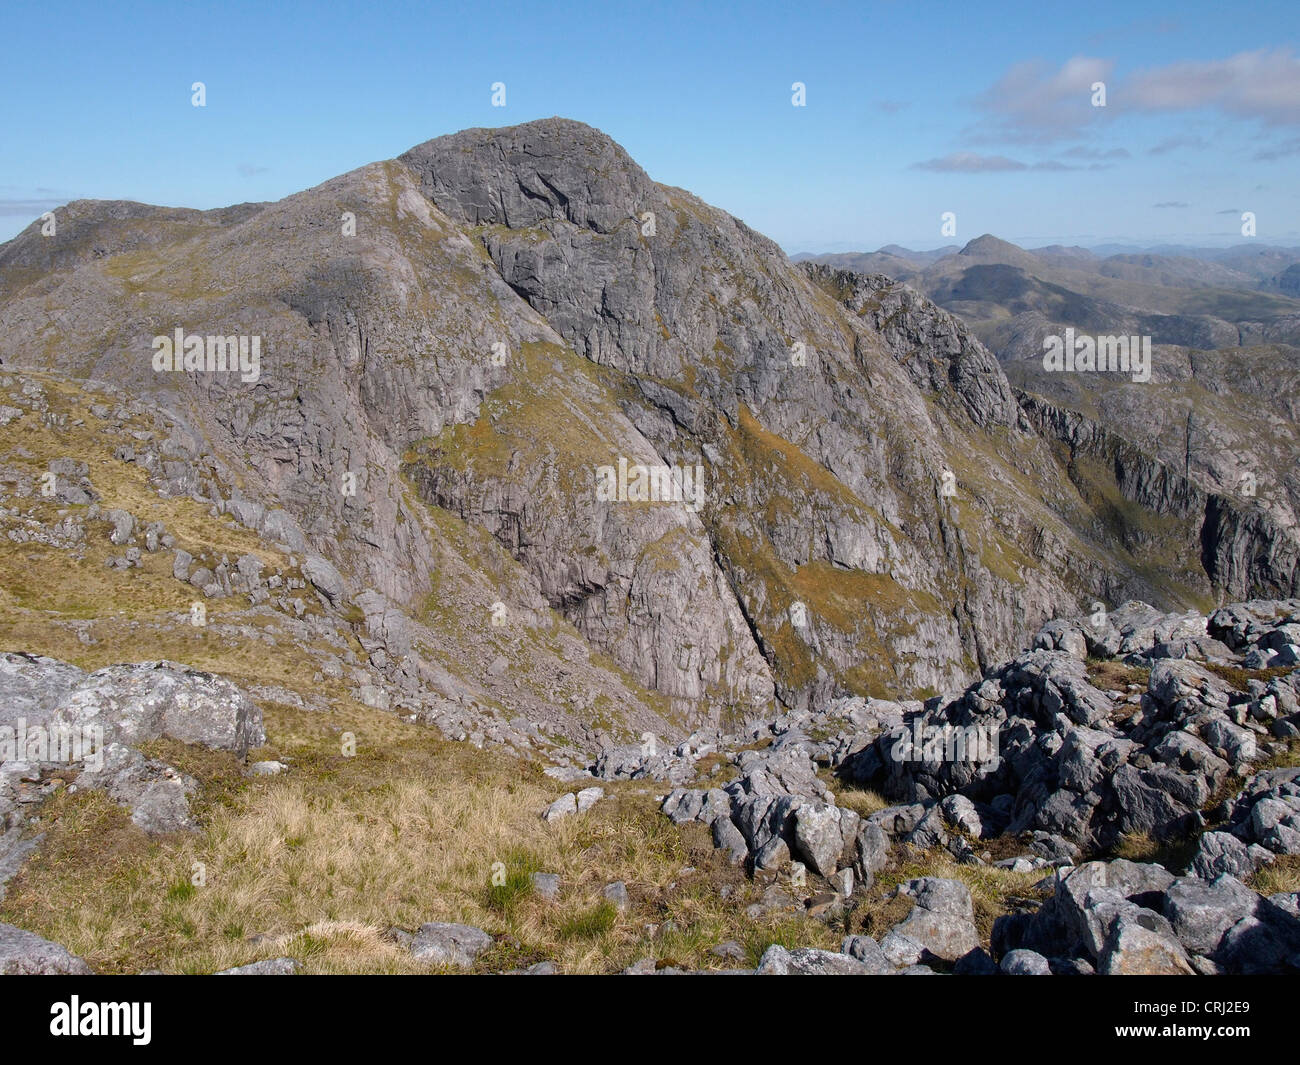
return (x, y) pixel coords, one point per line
(493, 560)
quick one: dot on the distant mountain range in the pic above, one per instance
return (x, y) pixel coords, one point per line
(1012, 297)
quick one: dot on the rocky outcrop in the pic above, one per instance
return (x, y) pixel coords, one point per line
(1120, 918)
(938, 350)
(54, 718)
(1039, 753)
(1217, 541)
(1038, 742)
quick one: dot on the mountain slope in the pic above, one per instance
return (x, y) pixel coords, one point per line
(518, 309)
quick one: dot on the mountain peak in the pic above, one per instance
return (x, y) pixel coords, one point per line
(989, 246)
(520, 175)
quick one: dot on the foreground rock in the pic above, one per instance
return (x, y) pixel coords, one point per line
(456, 945)
(55, 717)
(1132, 919)
(943, 919)
(807, 961)
(1261, 823)
(1037, 747)
(1037, 750)
(27, 954)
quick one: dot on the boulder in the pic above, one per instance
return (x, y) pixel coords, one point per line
(726, 836)
(321, 575)
(25, 953)
(867, 950)
(1132, 949)
(943, 919)
(456, 945)
(808, 961)
(1201, 912)
(1024, 963)
(870, 852)
(820, 835)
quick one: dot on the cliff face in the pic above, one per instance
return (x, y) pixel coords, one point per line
(1209, 445)
(454, 344)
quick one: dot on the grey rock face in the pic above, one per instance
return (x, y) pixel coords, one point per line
(1202, 912)
(27, 954)
(1220, 853)
(140, 702)
(961, 371)
(456, 945)
(1024, 963)
(1132, 949)
(658, 330)
(594, 225)
(808, 961)
(94, 722)
(943, 919)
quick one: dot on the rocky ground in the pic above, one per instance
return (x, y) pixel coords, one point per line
(1178, 730)
(1169, 738)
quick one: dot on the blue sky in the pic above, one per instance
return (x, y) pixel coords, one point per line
(913, 108)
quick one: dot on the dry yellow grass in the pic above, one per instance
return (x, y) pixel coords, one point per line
(1280, 875)
(319, 863)
(862, 801)
(993, 891)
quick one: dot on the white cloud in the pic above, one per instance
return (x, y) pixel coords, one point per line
(1170, 144)
(1034, 102)
(1037, 102)
(970, 163)
(1263, 85)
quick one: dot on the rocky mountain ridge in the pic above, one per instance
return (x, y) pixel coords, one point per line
(518, 307)
(399, 528)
